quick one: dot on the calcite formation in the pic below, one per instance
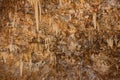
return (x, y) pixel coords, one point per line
(59, 39)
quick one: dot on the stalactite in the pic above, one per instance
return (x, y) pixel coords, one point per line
(30, 62)
(37, 7)
(21, 67)
(60, 2)
(94, 20)
(36, 15)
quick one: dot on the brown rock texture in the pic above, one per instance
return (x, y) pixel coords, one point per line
(59, 39)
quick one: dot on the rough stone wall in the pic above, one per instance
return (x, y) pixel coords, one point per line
(76, 40)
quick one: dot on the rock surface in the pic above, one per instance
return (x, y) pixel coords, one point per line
(59, 40)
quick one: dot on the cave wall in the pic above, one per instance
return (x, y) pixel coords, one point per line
(59, 40)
